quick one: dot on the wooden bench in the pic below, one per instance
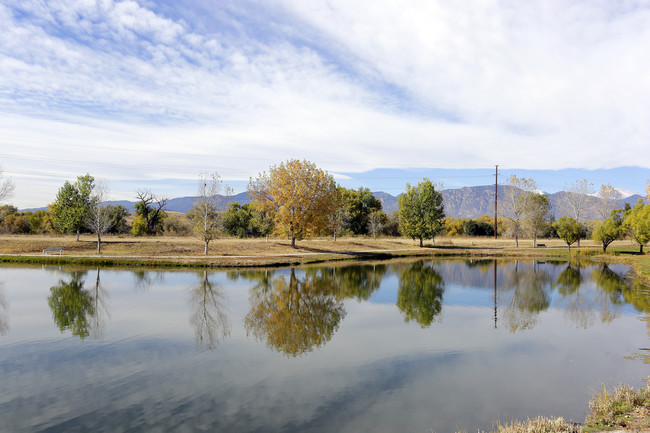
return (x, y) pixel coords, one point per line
(53, 250)
(541, 245)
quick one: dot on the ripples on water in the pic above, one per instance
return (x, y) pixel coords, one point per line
(388, 346)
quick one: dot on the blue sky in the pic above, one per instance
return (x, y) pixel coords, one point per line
(149, 94)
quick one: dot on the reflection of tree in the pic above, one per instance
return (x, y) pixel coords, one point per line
(569, 280)
(72, 305)
(4, 316)
(420, 293)
(527, 293)
(578, 305)
(144, 279)
(358, 281)
(294, 315)
(77, 309)
(622, 290)
(208, 315)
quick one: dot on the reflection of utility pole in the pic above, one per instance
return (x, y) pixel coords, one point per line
(495, 294)
(496, 184)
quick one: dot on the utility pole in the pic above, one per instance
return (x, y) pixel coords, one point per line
(496, 184)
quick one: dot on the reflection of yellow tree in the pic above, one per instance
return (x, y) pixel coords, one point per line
(294, 315)
(527, 293)
(208, 315)
(420, 293)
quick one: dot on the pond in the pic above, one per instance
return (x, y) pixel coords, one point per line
(398, 346)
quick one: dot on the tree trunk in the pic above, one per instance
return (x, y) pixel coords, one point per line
(569, 246)
(534, 240)
(99, 243)
(604, 248)
(206, 247)
(77, 235)
(335, 236)
(516, 241)
(641, 249)
(578, 242)
(420, 241)
(293, 242)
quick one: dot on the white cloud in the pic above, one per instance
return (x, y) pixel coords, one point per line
(131, 90)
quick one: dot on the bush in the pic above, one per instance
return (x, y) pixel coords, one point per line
(177, 226)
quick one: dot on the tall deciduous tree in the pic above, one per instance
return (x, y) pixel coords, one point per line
(6, 186)
(205, 212)
(421, 211)
(297, 195)
(637, 222)
(515, 201)
(538, 211)
(609, 230)
(100, 218)
(608, 200)
(360, 204)
(150, 213)
(576, 201)
(568, 230)
(72, 205)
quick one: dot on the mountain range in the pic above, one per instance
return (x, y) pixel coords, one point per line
(467, 202)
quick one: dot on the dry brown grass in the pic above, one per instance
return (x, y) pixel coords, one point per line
(245, 252)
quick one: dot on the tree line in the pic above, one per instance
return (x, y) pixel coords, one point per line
(297, 200)
(529, 211)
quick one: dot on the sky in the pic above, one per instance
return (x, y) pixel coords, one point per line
(150, 94)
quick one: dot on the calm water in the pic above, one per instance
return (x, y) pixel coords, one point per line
(386, 347)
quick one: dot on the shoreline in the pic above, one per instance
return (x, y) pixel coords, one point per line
(226, 253)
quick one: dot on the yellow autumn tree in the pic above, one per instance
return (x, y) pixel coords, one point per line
(297, 195)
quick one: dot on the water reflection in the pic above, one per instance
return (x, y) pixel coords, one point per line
(420, 293)
(75, 308)
(525, 293)
(376, 373)
(293, 315)
(579, 303)
(208, 312)
(4, 312)
(145, 279)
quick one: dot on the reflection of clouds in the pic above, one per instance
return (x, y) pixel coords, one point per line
(208, 317)
(375, 375)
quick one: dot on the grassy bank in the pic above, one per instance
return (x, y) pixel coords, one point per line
(622, 409)
(231, 252)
